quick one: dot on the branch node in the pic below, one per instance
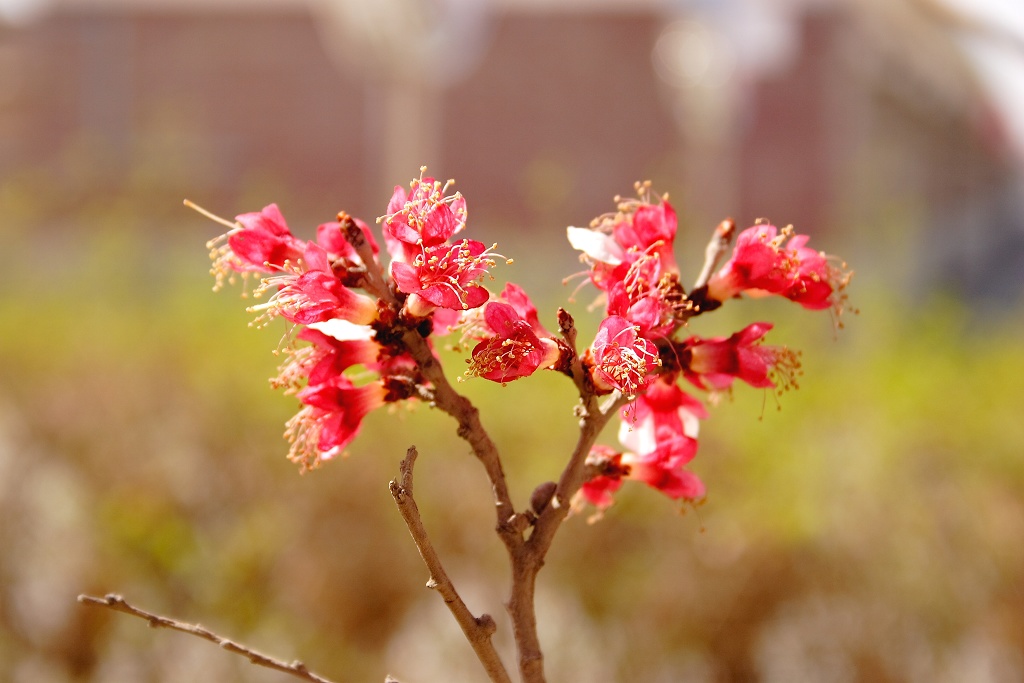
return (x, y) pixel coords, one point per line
(519, 523)
(487, 624)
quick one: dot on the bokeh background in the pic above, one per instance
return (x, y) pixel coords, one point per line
(868, 527)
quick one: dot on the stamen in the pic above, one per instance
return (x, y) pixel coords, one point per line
(212, 216)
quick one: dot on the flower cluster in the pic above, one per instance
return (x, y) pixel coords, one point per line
(355, 323)
(344, 354)
(641, 352)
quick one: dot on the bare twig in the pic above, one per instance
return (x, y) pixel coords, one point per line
(478, 630)
(119, 604)
(716, 248)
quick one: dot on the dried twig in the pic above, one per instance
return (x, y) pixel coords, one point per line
(119, 604)
(478, 630)
(719, 244)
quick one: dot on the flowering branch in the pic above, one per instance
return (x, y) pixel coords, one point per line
(119, 604)
(431, 286)
(478, 630)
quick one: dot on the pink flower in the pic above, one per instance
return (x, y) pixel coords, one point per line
(332, 239)
(330, 418)
(613, 242)
(652, 229)
(310, 292)
(764, 263)
(264, 239)
(662, 424)
(630, 254)
(621, 358)
(444, 276)
(422, 217)
(515, 350)
(719, 360)
(324, 358)
(261, 242)
(648, 310)
(614, 467)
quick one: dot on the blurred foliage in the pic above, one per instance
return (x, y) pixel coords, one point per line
(866, 527)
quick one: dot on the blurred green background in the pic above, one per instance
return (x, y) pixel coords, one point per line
(867, 527)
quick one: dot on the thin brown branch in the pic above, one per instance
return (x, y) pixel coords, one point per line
(478, 630)
(119, 604)
(716, 249)
(528, 559)
(472, 431)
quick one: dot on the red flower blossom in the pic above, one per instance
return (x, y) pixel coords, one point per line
(630, 254)
(330, 418)
(768, 261)
(660, 431)
(325, 357)
(662, 424)
(515, 350)
(634, 244)
(260, 242)
(719, 360)
(621, 358)
(652, 228)
(310, 292)
(423, 217)
(614, 467)
(444, 276)
(649, 310)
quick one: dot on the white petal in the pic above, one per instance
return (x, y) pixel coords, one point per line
(638, 437)
(691, 423)
(343, 330)
(596, 245)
